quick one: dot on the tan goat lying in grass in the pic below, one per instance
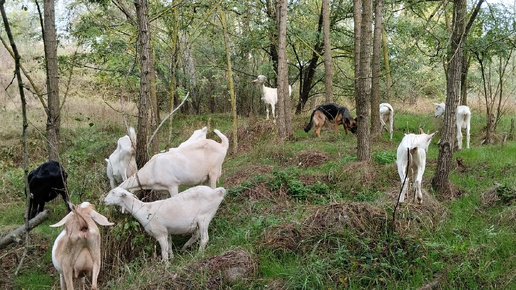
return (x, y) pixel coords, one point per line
(76, 251)
(195, 163)
(189, 212)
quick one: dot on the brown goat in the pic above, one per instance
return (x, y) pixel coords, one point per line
(76, 251)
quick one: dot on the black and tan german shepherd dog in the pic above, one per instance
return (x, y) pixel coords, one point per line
(334, 113)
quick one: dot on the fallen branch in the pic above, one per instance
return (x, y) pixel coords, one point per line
(15, 236)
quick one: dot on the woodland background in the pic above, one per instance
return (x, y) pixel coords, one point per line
(309, 213)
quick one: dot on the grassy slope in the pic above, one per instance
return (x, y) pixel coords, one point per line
(305, 211)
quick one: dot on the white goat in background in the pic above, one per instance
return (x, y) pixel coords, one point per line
(412, 152)
(76, 251)
(122, 162)
(387, 114)
(269, 95)
(463, 121)
(187, 213)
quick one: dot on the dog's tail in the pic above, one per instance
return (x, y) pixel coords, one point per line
(309, 126)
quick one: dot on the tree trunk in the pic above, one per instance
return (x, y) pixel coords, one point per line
(328, 63)
(357, 18)
(441, 178)
(388, 81)
(363, 101)
(375, 88)
(145, 82)
(14, 236)
(230, 77)
(463, 79)
(53, 115)
(174, 35)
(27, 226)
(284, 116)
(273, 36)
(309, 73)
(155, 119)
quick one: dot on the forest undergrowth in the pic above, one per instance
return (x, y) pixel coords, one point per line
(298, 214)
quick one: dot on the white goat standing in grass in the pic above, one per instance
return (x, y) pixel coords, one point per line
(76, 251)
(122, 162)
(387, 114)
(269, 95)
(189, 212)
(463, 121)
(195, 163)
(196, 136)
(417, 146)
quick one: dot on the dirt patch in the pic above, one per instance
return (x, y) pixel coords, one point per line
(359, 174)
(356, 216)
(327, 220)
(283, 237)
(306, 159)
(411, 217)
(490, 197)
(250, 134)
(224, 269)
(262, 192)
(309, 179)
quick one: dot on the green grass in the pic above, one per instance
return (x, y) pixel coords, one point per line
(470, 246)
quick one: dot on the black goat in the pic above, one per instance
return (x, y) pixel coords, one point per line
(45, 183)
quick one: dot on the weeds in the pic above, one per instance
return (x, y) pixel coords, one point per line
(309, 215)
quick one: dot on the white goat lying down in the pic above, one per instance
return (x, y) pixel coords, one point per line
(269, 95)
(187, 213)
(387, 114)
(463, 121)
(122, 162)
(76, 251)
(417, 146)
(192, 164)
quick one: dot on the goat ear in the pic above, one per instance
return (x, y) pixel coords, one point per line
(100, 219)
(63, 221)
(432, 135)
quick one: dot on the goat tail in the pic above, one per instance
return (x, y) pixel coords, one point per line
(309, 126)
(132, 136)
(225, 141)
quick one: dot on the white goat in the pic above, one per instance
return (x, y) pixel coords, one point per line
(122, 162)
(197, 135)
(76, 251)
(463, 121)
(387, 114)
(192, 164)
(417, 146)
(269, 95)
(187, 213)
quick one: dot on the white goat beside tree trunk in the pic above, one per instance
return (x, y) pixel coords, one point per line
(76, 251)
(187, 213)
(122, 162)
(387, 114)
(269, 95)
(412, 152)
(463, 121)
(195, 163)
